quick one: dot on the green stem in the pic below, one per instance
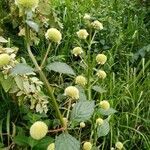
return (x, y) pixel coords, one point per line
(43, 77)
(45, 57)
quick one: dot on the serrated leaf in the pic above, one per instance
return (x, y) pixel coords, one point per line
(98, 89)
(108, 112)
(103, 130)
(61, 68)
(81, 93)
(21, 69)
(21, 140)
(82, 111)
(66, 142)
(3, 40)
(33, 25)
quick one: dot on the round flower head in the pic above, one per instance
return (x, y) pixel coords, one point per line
(87, 146)
(82, 34)
(97, 25)
(77, 51)
(82, 124)
(104, 104)
(80, 80)
(38, 130)
(51, 147)
(72, 92)
(87, 17)
(53, 35)
(101, 74)
(119, 145)
(27, 4)
(99, 121)
(101, 59)
(4, 59)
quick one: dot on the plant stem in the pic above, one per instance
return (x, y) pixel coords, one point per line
(43, 77)
(45, 57)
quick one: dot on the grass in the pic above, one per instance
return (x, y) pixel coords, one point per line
(126, 32)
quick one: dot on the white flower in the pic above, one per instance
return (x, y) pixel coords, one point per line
(104, 104)
(38, 130)
(87, 17)
(97, 25)
(101, 74)
(81, 80)
(99, 121)
(4, 59)
(77, 51)
(119, 145)
(101, 59)
(82, 124)
(72, 92)
(82, 34)
(54, 35)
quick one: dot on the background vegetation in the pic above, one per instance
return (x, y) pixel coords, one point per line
(126, 41)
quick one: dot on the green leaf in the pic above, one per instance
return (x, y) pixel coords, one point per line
(81, 93)
(61, 68)
(82, 111)
(32, 142)
(66, 142)
(33, 25)
(108, 112)
(19, 82)
(21, 69)
(43, 143)
(103, 130)
(98, 89)
(21, 140)
(2, 40)
(6, 83)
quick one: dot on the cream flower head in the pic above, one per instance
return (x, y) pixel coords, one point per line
(99, 121)
(87, 146)
(38, 130)
(104, 104)
(87, 16)
(81, 80)
(51, 146)
(27, 4)
(82, 124)
(101, 59)
(77, 51)
(72, 92)
(53, 35)
(97, 25)
(119, 145)
(101, 74)
(82, 34)
(4, 59)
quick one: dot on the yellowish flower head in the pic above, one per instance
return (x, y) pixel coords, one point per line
(119, 145)
(72, 92)
(82, 34)
(101, 59)
(99, 121)
(97, 25)
(53, 35)
(81, 80)
(104, 104)
(51, 146)
(77, 51)
(101, 74)
(38, 130)
(82, 124)
(87, 17)
(27, 4)
(87, 146)
(4, 59)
